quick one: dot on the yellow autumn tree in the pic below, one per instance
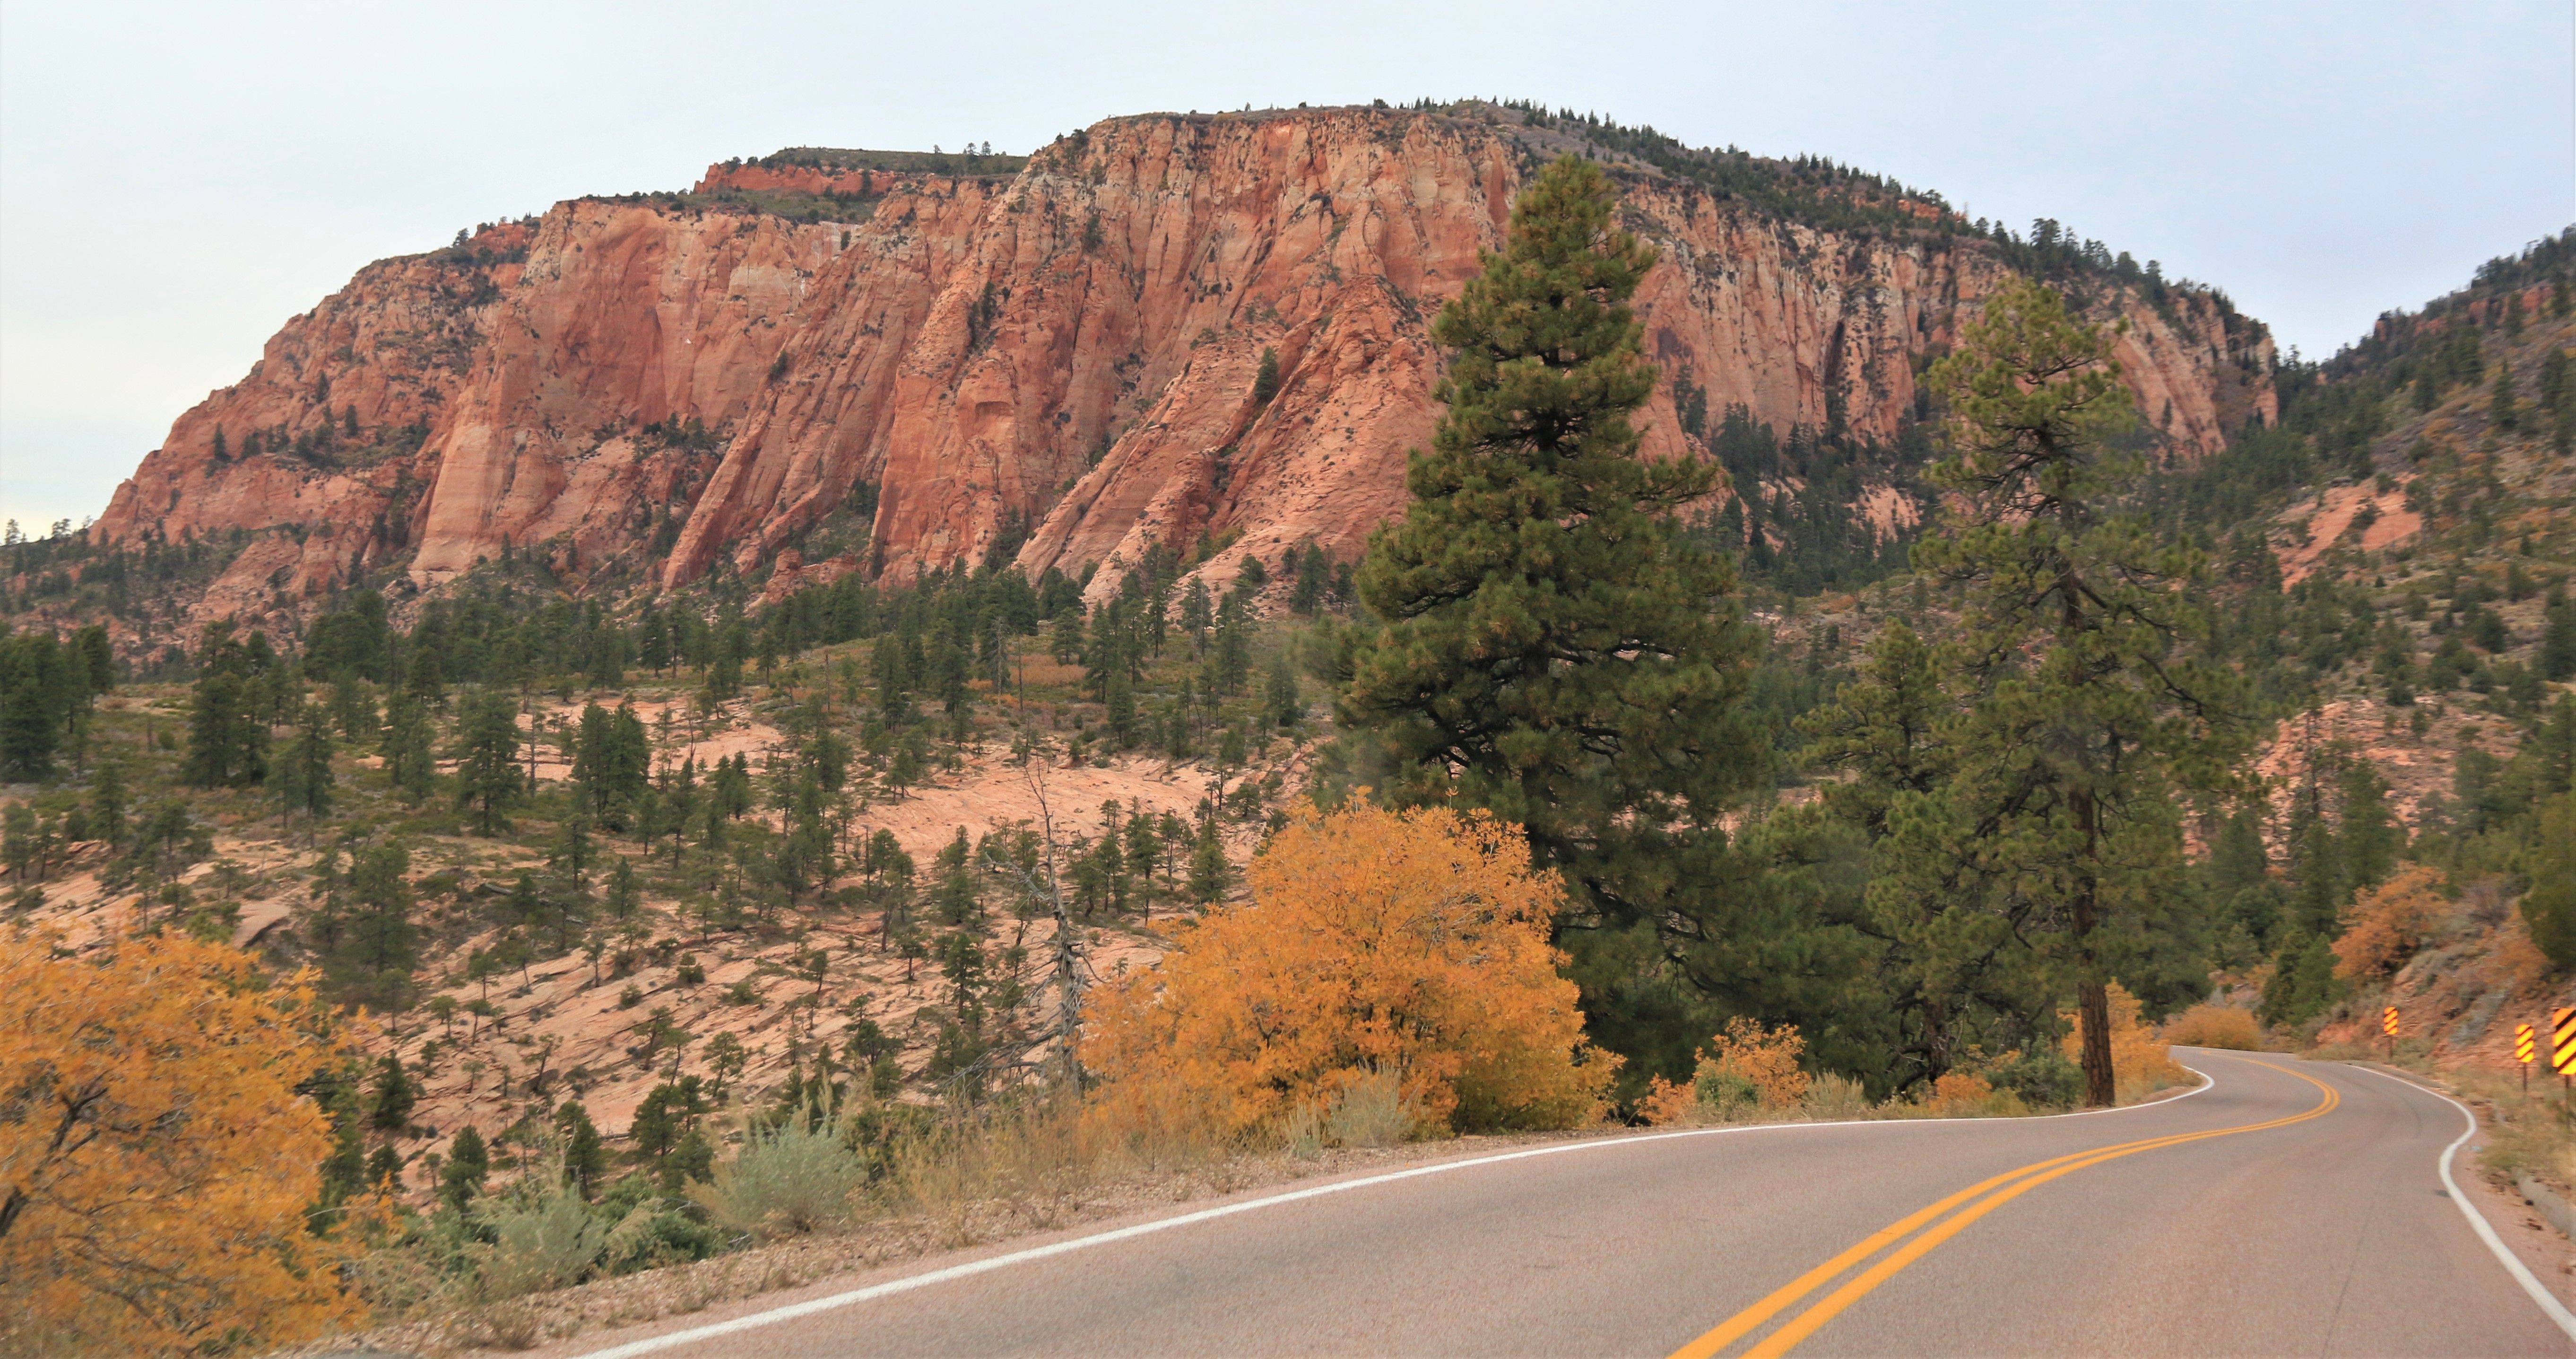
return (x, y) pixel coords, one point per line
(2388, 924)
(155, 1159)
(1412, 943)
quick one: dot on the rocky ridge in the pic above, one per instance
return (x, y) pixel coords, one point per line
(1053, 366)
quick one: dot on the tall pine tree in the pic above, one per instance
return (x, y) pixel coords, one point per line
(378, 945)
(487, 768)
(406, 746)
(1553, 646)
(301, 776)
(227, 739)
(1948, 976)
(2092, 706)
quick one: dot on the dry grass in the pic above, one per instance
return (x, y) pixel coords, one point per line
(1036, 1158)
(1043, 672)
(1041, 1158)
(1838, 1099)
(2532, 1134)
(2210, 1025)
(983, 1180)
(1372, 1111)
(1009, 1170)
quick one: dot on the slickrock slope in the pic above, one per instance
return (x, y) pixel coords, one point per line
(1059, 360)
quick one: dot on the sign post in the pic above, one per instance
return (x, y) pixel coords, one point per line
(2525, 1047)
(2388, 1025)
(2562, 1044)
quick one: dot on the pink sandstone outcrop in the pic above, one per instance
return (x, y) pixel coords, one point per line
(640, 390)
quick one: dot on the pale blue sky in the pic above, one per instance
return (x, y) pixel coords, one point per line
(177, 179)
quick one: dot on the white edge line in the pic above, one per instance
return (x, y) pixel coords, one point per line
(2556, 1310)
(792, 1311)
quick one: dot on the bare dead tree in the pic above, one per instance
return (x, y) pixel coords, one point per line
(1068, 954)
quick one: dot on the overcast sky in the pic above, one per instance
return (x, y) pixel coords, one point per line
(178, 179)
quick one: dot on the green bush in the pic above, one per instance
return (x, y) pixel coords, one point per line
(786, 1180)
(2549, 908)
(2042, 1076)
(1725, 1093)
(545, 1236)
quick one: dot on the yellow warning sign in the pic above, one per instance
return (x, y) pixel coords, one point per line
(2525, 1046)
(2562, 1041)
(2388, 1021)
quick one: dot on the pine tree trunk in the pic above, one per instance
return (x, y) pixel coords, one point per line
(2093, 1016)
(1936, 1038)
(2092, 995)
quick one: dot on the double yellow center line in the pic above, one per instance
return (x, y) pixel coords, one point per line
(1928, 1228)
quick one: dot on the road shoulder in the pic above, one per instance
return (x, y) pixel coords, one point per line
(2550, 1257)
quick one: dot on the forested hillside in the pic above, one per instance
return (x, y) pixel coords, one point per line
(2390, 567)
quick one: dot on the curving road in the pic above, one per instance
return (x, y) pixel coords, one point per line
(2286, 1208)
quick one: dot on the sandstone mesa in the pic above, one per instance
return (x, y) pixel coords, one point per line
(650, 387)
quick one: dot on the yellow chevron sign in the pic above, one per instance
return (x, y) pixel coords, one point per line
(2388, 1021)
(2525, 1047)
(2562, 1041)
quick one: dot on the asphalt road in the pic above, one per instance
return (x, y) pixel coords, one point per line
(2296, 1209)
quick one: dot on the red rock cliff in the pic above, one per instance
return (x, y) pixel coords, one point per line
(640, 388)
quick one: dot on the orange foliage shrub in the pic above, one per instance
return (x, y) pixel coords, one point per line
(2387, 924)
(1958, 1093)
(2211, 1025)
(1766, 1057)
(155, 1158)
(1765, 1060)
(1667, 1104)
(1407, 942)
(2140, 1062)
(2517, 962)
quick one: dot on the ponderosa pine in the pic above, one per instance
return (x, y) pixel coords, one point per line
(460, 1179)
(2091, 705)
(1942, 966)
(1553, 647)
(406, 746)
(487, 770)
